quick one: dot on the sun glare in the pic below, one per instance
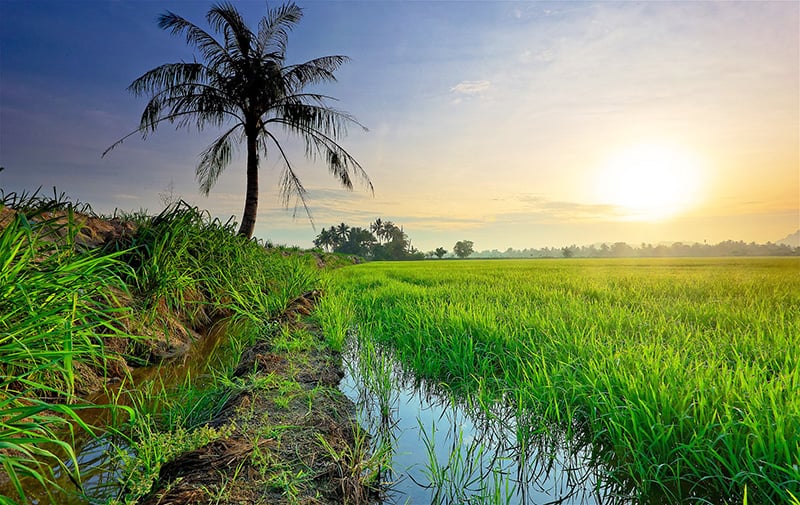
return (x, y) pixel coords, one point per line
(649, 182)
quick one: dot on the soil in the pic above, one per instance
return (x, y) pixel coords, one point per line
(92, 231)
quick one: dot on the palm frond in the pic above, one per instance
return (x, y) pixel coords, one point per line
(295, 110)
(143, 130)
(167, 76)
(213, 52)
(177, 88)
(188, 105)
(314, 71)
(224, 18)
(341, 164)
(320, 126)
(290, 184)
(273, 29)
(215, 159)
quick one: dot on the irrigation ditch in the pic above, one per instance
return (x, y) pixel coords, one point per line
(438, 447)
(162, 359)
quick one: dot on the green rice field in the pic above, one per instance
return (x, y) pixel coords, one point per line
(681, 375)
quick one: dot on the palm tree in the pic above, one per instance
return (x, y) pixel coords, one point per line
(360, 236)
(341, 231)
(387, 230)
(243, 83)
(376, 227)
(334, 237)
(326, 239)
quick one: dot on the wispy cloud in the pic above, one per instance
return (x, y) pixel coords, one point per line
(562, 211)
(126, 196)
(471, 87)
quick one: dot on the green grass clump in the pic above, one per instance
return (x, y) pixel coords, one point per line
(682, 374)
(195, 266)
(61, 302)
(57, 306)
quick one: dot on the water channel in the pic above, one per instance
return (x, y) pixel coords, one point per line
(97, 456)
(444, 452)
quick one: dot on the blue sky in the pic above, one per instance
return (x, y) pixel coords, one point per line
(512, 124)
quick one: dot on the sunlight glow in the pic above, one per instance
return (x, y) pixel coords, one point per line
(650, 182)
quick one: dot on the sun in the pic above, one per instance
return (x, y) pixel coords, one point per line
(649, 182)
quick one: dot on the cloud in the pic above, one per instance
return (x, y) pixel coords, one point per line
(561, 211)
(126, 196)
(470, 87)
(545, 56)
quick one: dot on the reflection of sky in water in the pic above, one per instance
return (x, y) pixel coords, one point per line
(98, 457)
(478, 460)
(100, 479)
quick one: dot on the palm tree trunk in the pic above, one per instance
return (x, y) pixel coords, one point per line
(251, 198)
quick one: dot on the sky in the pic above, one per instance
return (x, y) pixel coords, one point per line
(511, 124)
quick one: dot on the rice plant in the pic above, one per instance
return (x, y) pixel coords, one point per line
(681, 375)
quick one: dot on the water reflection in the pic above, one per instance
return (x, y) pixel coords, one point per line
(445, 451)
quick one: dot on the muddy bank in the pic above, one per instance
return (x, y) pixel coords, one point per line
(290, 437)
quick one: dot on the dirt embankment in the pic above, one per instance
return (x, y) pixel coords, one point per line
(90, 231)
(294, 439)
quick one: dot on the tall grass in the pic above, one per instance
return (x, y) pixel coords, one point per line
(196, 266)
(56, 303)
(60, 303)
(682, 374)
(193, 266)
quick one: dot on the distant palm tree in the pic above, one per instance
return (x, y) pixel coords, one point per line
(392, 233)
(334, 237)
(342, 231)
(376, 227)
(243, 79)
(326, 239)
(387, 230)
(360, 236)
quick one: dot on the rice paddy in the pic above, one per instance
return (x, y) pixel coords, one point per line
(666, 380)
(680, 377)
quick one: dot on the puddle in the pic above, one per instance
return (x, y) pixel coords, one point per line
(443, 452)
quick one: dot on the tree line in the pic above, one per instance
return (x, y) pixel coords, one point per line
(383, 240)
(380, 240)
(645, 250)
